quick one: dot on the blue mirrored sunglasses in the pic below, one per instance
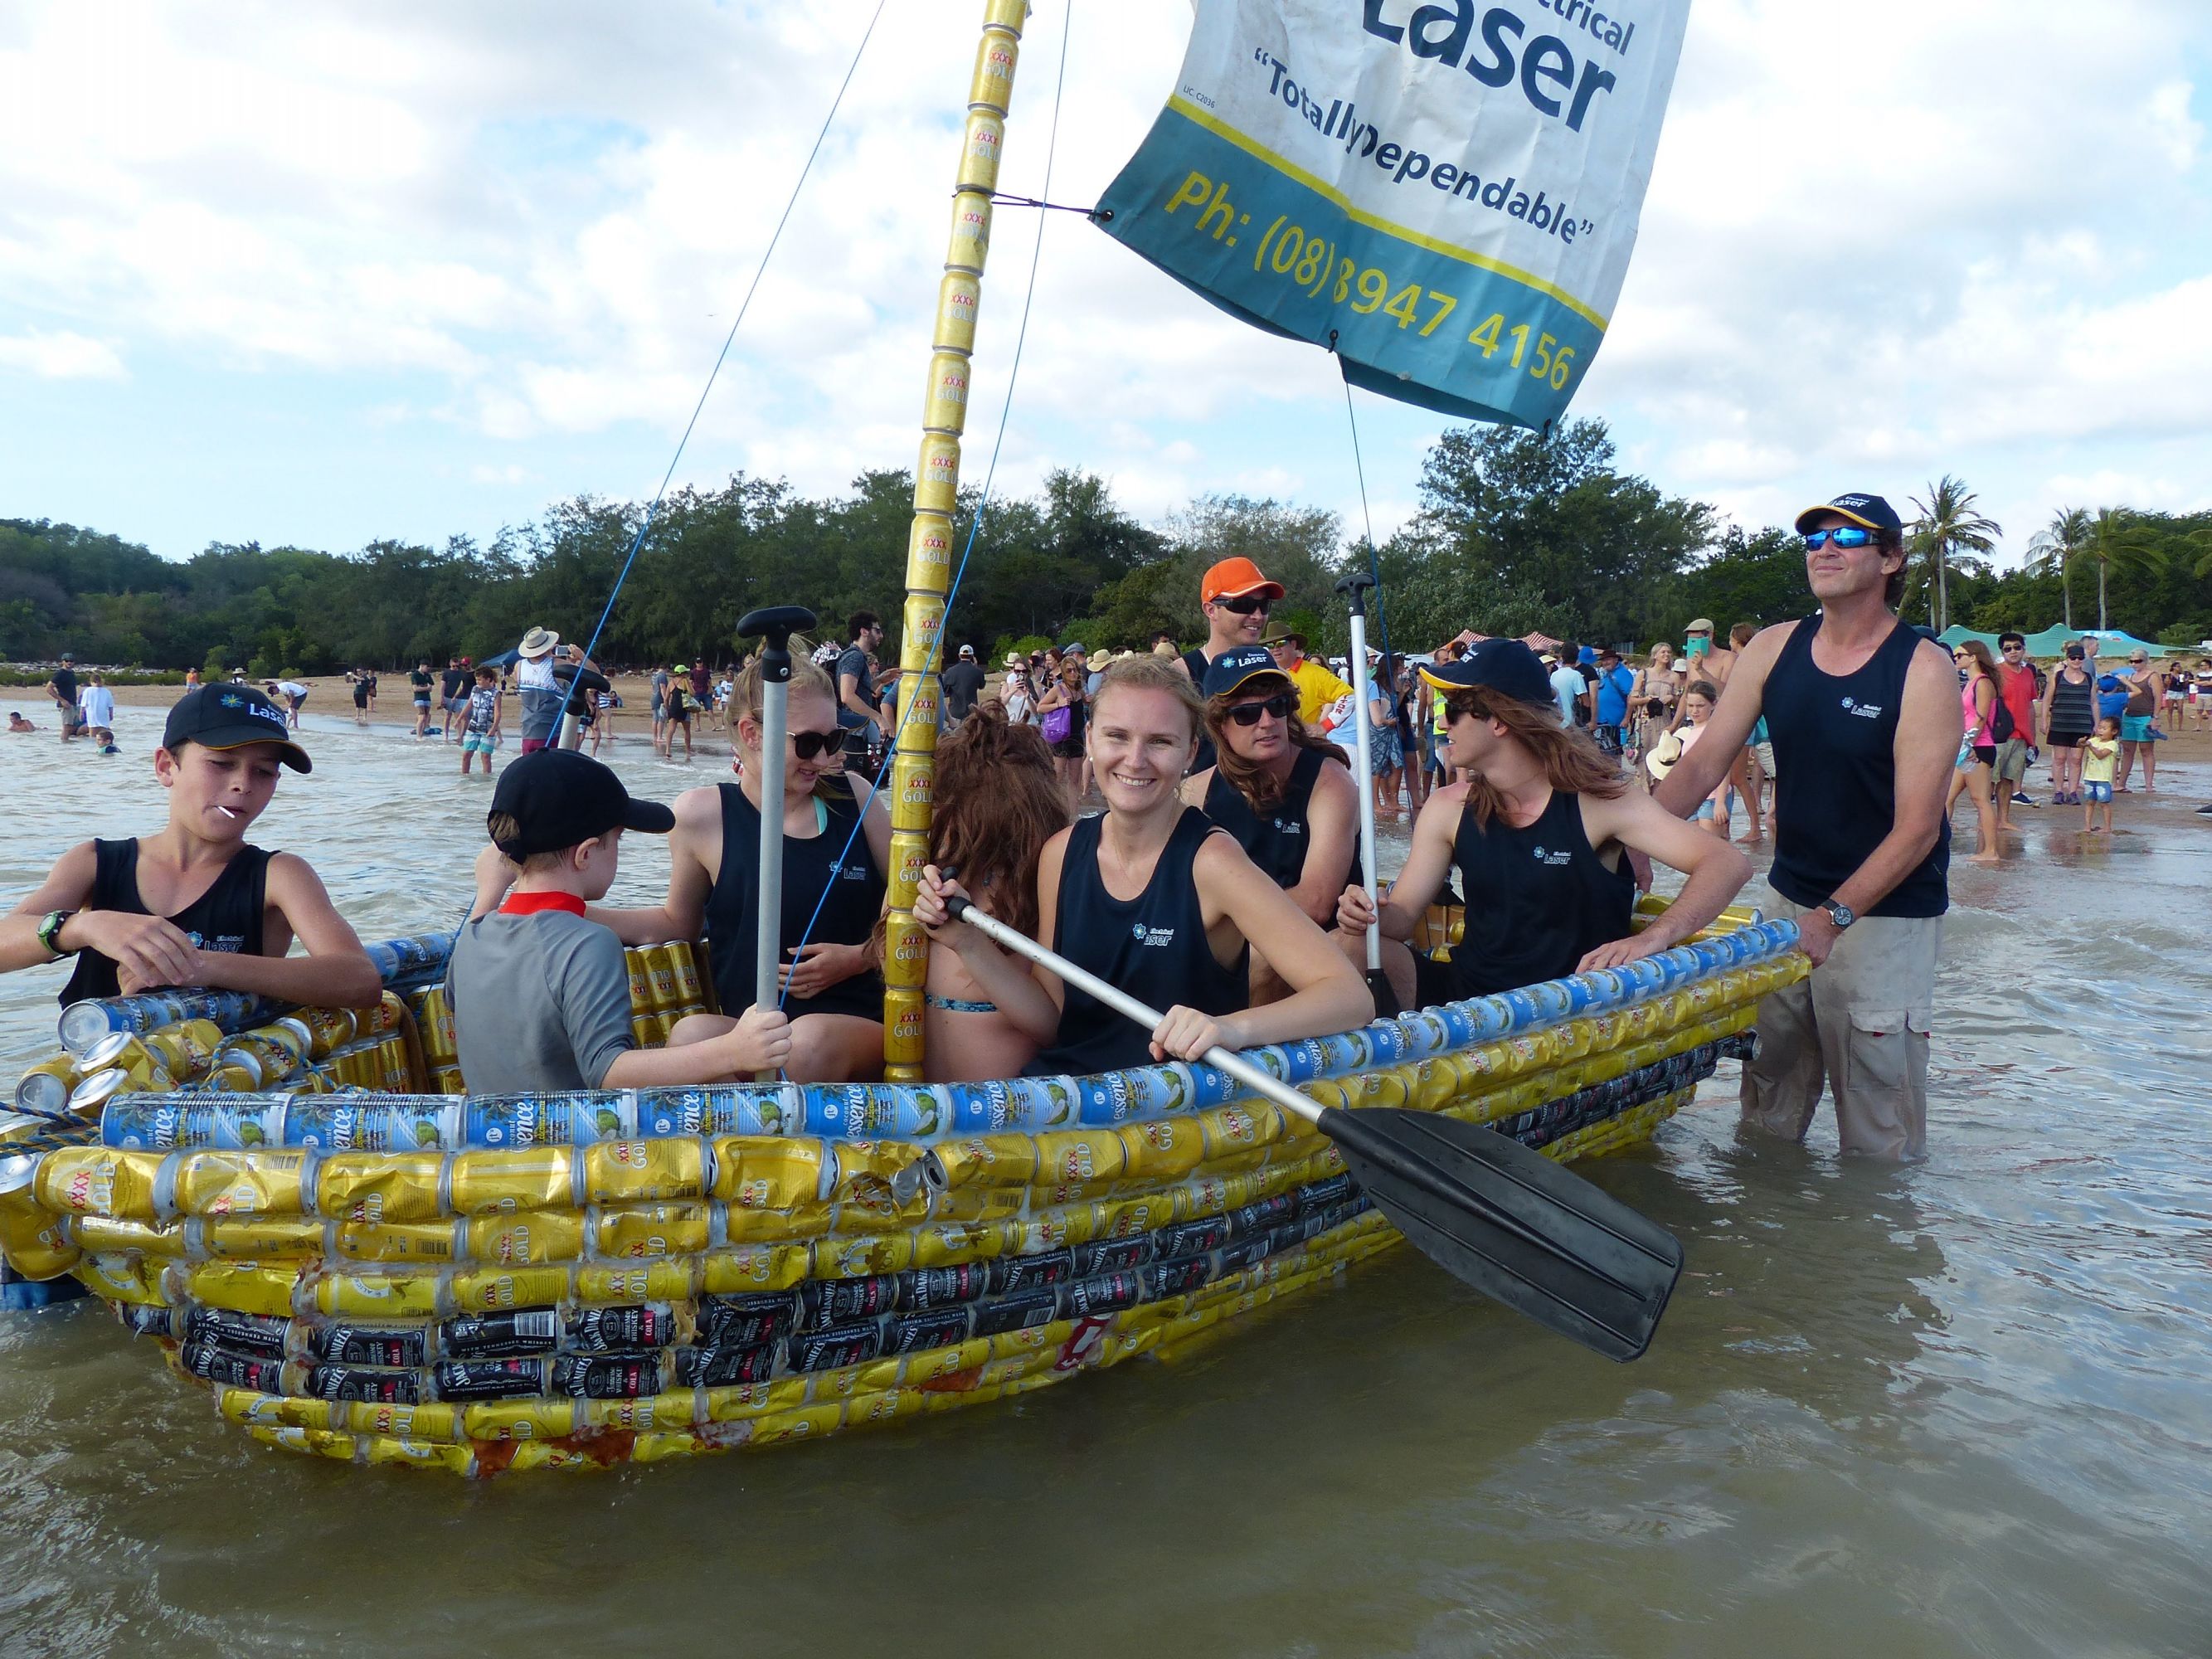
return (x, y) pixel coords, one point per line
(1850, 535)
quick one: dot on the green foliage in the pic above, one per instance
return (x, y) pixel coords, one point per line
(1755, 579)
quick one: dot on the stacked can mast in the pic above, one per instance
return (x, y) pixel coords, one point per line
(929, 543)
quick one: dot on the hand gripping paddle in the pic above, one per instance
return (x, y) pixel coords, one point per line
(1505, 1219)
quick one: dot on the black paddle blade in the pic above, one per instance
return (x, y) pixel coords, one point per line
(1513, 1224)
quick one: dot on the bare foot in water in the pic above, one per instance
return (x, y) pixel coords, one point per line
(1988, 856)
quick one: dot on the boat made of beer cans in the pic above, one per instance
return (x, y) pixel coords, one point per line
(307, 1213)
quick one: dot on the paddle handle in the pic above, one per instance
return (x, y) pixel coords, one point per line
(1364, 732)
(1012, 939)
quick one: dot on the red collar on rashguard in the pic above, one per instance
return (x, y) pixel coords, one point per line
(526, 904)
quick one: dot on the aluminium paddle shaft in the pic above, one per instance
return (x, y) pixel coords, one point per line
(774, 626)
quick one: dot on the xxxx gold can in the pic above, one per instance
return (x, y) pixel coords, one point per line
(912, 779)
(690, 988)
(945, 403)
(233, 1079)
(45, 1087)
(328, 1029)
(936, 483)
(644, 1030)
(956, 300)
(121, 1051)
(980, 146)
(968, 248)
(903, 1040)
(923, 623)
(640, 981)
(906, 953)
(660, 973)
(389, 1015)
(909, 851)
(992, 85)
(187, 1049)
(921, 698)
(929, 546)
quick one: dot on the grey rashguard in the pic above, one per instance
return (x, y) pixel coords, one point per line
(540, 1001)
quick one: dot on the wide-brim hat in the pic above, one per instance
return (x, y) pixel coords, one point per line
(536, 642)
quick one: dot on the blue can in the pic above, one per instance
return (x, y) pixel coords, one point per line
(1554, 1002)
(161, 1123)
(1520, 1009)
(573, 1118)
(1421, 1033)
(692, 1111)
(1211, 1087)
(1130, 1097)
(1386, 1042)
(367, 1122)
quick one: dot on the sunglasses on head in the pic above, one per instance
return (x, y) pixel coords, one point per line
(1248, 713)
(807, 745)
(1243, 604)
(1850, 535)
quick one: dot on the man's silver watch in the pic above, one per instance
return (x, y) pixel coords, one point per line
(1841, 914)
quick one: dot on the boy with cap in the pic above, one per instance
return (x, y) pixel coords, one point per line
(1538, 835)
(540, 993)
(196, 905)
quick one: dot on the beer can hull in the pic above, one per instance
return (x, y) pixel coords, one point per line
(903, 1027)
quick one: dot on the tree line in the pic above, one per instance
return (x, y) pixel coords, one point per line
(1516, 533)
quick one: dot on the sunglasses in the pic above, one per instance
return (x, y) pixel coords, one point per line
(1850, 535)
(807, 745)
(1243, 604)
(1248, 713)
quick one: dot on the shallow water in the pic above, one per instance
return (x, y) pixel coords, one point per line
(1954, 1409)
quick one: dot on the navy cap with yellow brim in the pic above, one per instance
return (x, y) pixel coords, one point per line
(1238, 665)
(231, 717)
(1869, 512)
(1506, 665)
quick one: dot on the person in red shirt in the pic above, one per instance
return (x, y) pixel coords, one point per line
(2019, 686)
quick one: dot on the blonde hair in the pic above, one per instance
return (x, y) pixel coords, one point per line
(1152, 674)
(807, 679)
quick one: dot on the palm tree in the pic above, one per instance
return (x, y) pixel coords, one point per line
(1946, 525)
(2057, 548)
(2115, 538)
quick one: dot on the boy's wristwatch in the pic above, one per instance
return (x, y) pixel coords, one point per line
(50, 930)
(1841, 914)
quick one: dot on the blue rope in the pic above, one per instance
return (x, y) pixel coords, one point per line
(1374, 568)
(984, 502)
(638, 541)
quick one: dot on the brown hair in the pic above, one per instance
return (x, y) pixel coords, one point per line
(1742, 634)
(1886, 542)
(1258, 785)
(999, 800)
(1704, 689)
(505, 827)
(1152, 674)
(1983, 660)
(1572, 763)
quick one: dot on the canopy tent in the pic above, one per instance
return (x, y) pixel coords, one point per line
(505, 660)
(1537, 642)
(2113, 645)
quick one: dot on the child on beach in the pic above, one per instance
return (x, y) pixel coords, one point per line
(480, 725)
(1716, 813)
(2100, 757)
(540, 994)
(195, 904)
(96, 713)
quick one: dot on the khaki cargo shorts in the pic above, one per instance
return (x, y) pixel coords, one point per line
(2012, 759)
(1858, 1027)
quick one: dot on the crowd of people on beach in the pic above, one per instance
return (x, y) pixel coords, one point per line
(1223, 880)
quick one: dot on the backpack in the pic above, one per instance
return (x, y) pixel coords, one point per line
(2002, 727)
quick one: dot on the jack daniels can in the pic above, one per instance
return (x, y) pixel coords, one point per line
(374, 1387)
(464, 1380)
(254, 1334)
(205, 1360)
(727, 1322)
(369, 1345)
(606, 1377)
(715, 1366)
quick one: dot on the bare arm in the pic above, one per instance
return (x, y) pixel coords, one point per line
(1427, 863)
(336, 973)
(1327, 992)
(1332, 836)
(1703, 767)
(694, 854)
(68, 885)
(1716, 871)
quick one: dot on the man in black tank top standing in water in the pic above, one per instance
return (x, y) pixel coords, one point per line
(1865, 718)
(196, 905)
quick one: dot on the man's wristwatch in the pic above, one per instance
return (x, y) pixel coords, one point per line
(50, 930)
(1841, 914)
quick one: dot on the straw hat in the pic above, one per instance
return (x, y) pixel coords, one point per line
(536, 643)
(1664, 753)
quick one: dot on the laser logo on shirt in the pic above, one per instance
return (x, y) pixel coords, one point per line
(1865, 711)
(1151, 938)
(1556, 856)
(1289, 827)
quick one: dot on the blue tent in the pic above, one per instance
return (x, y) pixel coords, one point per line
(2113, 645)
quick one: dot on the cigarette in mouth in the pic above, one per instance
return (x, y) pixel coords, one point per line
(226, 811)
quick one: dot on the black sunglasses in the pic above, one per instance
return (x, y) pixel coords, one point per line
(1248, 713)
(807, 745)
(1243, 604)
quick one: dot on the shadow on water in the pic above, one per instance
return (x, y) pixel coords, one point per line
(1951, 1410)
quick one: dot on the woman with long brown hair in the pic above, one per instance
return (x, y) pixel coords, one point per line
(1978, 750)
(1539, 835)
(1063, 705)
(1154, 899)
(1286, 796)
(999, 800)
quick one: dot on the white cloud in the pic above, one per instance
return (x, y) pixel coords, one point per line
(1883, 241)
(60, 356)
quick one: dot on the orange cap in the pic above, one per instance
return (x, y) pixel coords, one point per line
(1234, 577)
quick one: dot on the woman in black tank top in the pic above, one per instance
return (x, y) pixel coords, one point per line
(1152, 898)
(834, 853)
(1537, 838)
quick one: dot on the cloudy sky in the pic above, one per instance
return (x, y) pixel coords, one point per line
(320, 273)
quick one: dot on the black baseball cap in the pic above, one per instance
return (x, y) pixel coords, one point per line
(559, 799)
(230, 717)
(1506, 665)
(1238, 665)
(1869, 511)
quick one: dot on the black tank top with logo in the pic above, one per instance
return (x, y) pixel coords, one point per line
(1538, 899)
(1279, 841)
(1835, 763)
(1152, 946)
(855, 897)
(227, 917)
